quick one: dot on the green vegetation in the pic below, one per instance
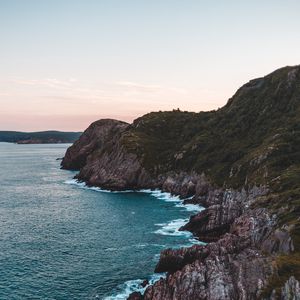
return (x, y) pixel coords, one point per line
(286, 266)
(254, 139)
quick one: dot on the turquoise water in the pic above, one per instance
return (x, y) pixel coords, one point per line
(61, 240)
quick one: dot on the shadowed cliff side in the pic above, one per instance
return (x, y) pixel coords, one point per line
(103, 160)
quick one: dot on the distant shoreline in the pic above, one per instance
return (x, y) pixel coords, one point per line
(41, 137)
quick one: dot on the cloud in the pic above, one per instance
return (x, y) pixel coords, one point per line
(150, 88)
(121, 95)
(138, 86)
(48, 82)
(5, 94)
(73, 88)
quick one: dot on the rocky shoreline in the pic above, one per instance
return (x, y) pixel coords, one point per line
(237, 261)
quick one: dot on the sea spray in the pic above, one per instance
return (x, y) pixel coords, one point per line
(125, 289)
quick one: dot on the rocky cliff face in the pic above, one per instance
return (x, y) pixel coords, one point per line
(241, 163)
(94, 137)
(103, 160)
(237, 265)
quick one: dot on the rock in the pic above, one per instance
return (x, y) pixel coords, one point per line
(145, 283)
(216, 277)
(135, 296)
(227, 269)
(233, 267)
(279, 241)
(95, 136)
(102, 159)
(223, 208)
(183, 184)
(174, 260)
(210, 224)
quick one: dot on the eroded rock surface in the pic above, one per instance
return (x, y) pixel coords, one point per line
(102, 159)
(237, 265)
(94, 137)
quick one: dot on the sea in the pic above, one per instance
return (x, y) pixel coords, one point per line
(60, 239)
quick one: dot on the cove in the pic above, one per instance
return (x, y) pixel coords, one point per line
(62, 240)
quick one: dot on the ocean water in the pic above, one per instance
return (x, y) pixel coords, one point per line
(62, 240)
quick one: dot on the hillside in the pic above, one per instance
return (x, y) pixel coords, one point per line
(42, 137)
(242, 162)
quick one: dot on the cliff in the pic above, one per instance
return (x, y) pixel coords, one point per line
(242, 162)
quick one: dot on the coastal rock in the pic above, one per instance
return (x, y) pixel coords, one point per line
(233, 267)
(102, 159)
(174, 260)
(238, 276)
(210, 224)
(94, 137)
(223, 208)
(135, 296)
(182, 183)
(115, 170)
(145, 283)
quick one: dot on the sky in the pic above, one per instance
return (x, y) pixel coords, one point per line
(67, 63)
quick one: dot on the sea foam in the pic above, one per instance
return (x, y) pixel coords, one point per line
(170, 228)
(125, 289)
(165, 196)
(83, 185)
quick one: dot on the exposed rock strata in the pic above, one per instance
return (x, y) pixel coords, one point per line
(234, 267)
(223, 207)
(135, 296)
(95, 136)
(218, 276)
(117, 169)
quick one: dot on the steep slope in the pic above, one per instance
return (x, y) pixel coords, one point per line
(242, 162)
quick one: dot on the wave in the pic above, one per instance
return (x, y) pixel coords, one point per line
(137, 246)
(172, 229)
(165, 196)
(83, 185)
(124, 290)
(168, 197)
(169, 229)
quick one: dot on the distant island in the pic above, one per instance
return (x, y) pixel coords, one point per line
(41, 137)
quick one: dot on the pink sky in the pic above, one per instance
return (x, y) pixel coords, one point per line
(44, 104)
(65, 63)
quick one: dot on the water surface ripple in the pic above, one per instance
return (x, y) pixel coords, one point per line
(61, 240)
